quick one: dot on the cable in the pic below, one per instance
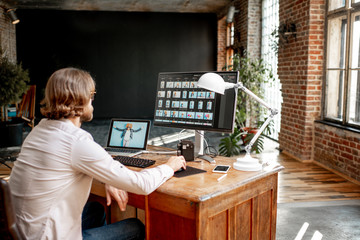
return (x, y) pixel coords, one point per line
(179, 134)
(160, 152)
(212, 154)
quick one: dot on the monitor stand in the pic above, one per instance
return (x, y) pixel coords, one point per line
(199, 143)
(199, 147)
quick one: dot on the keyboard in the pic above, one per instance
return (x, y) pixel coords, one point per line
(134, 162)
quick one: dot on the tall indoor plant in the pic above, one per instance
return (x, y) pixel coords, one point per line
(13, 84)
(253, 73)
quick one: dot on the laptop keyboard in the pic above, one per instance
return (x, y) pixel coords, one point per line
(134, 162)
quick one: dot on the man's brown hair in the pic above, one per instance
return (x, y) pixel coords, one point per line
(67, 92)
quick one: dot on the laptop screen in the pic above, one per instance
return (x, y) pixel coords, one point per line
(128, 133)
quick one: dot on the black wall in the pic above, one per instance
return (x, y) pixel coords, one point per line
(123, 51)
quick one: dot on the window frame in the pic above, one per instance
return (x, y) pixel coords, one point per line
(336, 13)
(230, 31)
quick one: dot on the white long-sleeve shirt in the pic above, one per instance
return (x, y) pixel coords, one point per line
(52, 177)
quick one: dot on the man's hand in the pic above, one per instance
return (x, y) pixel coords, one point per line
(119, 195)
(176, 162)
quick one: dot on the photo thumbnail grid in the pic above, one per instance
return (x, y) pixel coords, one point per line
(181, 101)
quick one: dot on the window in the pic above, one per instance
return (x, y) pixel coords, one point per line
(270, 21)
(229, 43)
(342, 89)
(354, 72)
(335, 4)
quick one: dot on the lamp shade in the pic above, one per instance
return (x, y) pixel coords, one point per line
(12, 15)
(213, 82)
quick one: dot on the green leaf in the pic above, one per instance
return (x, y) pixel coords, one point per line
(231, 145)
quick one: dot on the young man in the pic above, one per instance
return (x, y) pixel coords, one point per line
(52, 176)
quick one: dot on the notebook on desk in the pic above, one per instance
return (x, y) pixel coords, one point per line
(127, 137)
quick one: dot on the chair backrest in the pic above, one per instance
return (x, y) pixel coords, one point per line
(8, 227)
(26, 110)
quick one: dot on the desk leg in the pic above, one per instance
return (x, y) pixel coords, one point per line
(170, 217)
(147, 218)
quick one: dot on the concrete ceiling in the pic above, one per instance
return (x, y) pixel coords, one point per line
(189, 6)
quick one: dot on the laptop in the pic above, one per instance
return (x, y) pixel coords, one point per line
(127, 137)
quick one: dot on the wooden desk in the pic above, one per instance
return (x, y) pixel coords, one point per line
(241, 206)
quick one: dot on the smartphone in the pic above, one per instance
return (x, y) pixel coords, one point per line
(221, 168)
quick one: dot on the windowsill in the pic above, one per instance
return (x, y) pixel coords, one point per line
(348, 128)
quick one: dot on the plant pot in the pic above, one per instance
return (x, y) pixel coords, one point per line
(11, 133)
(248, 130)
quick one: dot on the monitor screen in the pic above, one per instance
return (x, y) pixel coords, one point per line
(181, 104)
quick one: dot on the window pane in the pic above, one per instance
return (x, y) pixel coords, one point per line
(336, 42)
(230, 35)
(334, 94)
(356, 1)
(335, 4)
(354, 79)
(354, 97)
(355, 42)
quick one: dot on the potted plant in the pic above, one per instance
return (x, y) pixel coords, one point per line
(13, 84)
(253, 73)
(281, 35)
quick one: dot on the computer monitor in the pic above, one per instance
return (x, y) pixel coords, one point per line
(181, 104)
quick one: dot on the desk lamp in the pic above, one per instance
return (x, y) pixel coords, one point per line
(214, 82)
(12, 15)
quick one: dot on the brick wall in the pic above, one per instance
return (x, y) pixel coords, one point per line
(241, 26)
(247, 24)
(300, 62)
(337, 149)
(334, 148)
(247, 34)
(7, 36)
(221, 44)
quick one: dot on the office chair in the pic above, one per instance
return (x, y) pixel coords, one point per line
(8, 225)
(26, 110)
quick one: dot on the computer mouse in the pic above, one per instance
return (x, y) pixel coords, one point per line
(180, 170)
(207, 158)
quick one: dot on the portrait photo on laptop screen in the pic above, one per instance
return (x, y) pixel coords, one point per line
(128, 134)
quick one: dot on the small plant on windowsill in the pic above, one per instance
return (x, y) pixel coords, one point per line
(253, 73)
(281, 35)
